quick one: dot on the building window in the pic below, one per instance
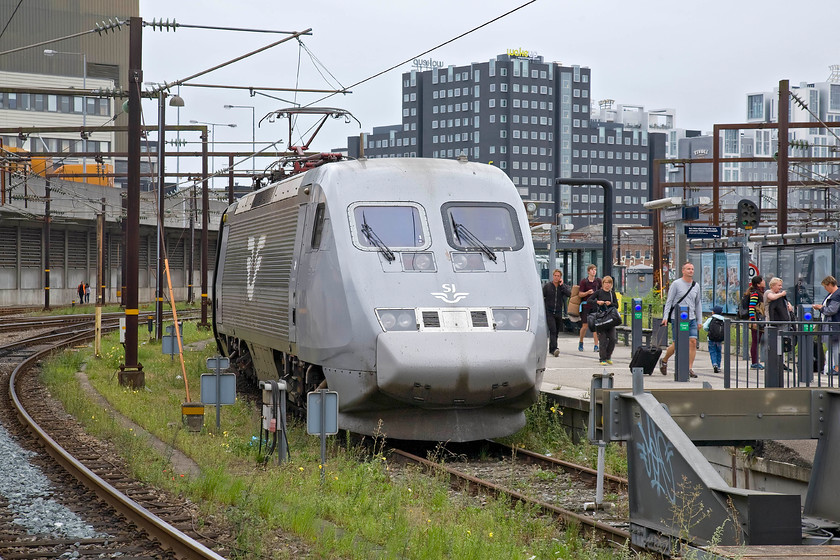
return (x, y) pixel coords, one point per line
(755, 106)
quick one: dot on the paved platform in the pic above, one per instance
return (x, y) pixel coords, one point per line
(571, 372)
(569, 375)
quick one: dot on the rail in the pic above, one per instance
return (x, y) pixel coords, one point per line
(183, 545)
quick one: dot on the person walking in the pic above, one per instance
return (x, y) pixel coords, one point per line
(554, 297)
(830, 311)
(715, 326)
(80, 289)
(87, 292)
(604, 298)
(683, 289)
(587, 287)
(756, 317)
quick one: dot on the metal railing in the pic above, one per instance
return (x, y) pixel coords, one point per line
(795, 354)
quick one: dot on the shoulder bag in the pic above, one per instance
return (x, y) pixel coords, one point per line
(676, 305)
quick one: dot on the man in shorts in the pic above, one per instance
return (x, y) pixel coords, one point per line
(684, 291)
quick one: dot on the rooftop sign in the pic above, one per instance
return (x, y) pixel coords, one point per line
(522, 53)
(426, 64)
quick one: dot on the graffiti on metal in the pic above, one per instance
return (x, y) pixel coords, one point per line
(656, 452)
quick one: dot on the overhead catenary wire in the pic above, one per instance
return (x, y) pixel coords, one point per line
(11, 17)
(427, 51)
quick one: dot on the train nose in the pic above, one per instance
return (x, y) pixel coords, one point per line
(457, 369)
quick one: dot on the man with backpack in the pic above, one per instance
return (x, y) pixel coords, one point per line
(715, 326)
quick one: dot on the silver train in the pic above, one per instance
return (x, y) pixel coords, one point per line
(407, 285)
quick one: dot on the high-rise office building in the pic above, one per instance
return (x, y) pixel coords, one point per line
(531, 118)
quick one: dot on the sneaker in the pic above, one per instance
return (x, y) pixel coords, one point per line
(757, 366)
(691, 373)
(580, 346)
(716, 368)
(609, 362)
(663, 367)
(595, 349)
(603, 362)
(556, 353)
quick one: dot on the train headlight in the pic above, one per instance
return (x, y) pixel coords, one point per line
(466, 262)
(459, 261)
(510, 319)
(422, 262)
(397, 319)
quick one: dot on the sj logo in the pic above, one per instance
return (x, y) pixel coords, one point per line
(449, 294)
(252, 266)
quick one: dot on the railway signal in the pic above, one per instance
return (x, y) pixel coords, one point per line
(748, 214)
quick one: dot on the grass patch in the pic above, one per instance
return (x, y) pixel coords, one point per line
(544, 432)
(359, 511)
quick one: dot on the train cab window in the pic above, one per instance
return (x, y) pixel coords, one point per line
(318, 226)
(395, 226)
(471, 225)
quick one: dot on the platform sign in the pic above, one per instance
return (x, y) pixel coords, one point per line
(226, 388)
(316, 418)
(218, 363)
(671, 214)
(703, 232)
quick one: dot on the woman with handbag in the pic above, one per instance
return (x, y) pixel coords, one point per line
(604, 298)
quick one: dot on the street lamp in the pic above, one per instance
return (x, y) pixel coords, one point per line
(50, 52)
(253, 134)
(213, 138)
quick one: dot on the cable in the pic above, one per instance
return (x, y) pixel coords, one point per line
(11, 17)
(464, 34)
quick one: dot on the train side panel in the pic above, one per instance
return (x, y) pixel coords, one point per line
(254, 295)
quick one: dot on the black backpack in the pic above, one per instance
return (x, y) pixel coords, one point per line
(716, 330)
(744, 308)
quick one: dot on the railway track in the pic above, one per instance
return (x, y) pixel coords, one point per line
(88, 485)
(563, 495)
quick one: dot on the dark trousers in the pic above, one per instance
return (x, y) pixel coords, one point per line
(755, 339)
(555, 325)
(606, 344)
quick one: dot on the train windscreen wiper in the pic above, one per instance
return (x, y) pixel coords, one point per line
(374, 240)
(462, 231)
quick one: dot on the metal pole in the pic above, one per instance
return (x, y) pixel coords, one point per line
(160, 229)
(100, 281)
(608, 213)
(84, 111)
(47, 247)
(552, 250)
(323, 394)
(205, 211)
(230, 177)
(191, 267)
(218, 395)
(131, 373)
(782, 165)
(253, 142)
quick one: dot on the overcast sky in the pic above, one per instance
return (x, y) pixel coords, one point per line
(699, 58)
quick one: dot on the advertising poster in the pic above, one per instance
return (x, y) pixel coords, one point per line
(733, 283)
(707, 281)
(720, 281)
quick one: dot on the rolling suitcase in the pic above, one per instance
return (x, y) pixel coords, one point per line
(645, 357)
